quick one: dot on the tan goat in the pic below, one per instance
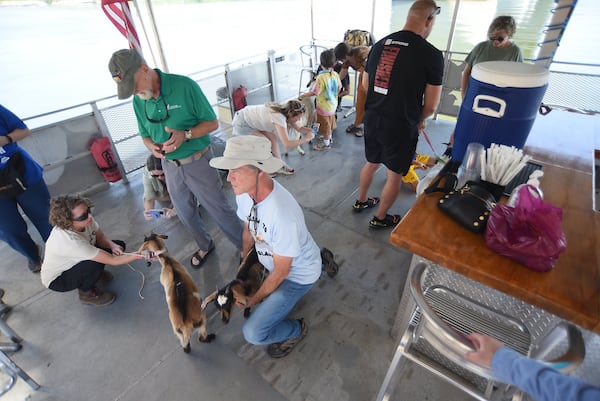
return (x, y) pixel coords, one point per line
(185, 310)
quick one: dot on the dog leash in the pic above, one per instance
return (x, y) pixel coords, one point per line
(143, 280)
(137, 271)
(437, 157)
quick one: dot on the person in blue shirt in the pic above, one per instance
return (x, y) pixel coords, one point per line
(34, 200)
(537, 379)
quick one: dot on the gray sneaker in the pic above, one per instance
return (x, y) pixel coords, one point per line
(279, 350)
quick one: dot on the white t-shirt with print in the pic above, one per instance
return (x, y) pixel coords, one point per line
(66, 248)
(279, 228)
(262, 118)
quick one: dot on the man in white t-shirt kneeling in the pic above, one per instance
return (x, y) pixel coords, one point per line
(274, 224)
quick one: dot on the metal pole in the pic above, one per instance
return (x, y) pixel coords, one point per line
(448, 54)
(312, 22)
(373, 17)
(161, 54)
(452, 28)
(137, 8)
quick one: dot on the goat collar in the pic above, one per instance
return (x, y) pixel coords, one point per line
(239, 281)
(159, 252)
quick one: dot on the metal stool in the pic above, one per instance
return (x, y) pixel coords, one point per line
(436, 340)
(309, 54)
(7, 366)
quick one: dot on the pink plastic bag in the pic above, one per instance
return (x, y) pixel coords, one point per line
(530, 232)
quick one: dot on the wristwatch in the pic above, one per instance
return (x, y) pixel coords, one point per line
(188, 134)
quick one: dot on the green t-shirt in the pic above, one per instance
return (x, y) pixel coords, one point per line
(180, 105)
(485, 51)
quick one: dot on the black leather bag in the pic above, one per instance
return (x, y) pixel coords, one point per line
(12, 177)
(470, 206)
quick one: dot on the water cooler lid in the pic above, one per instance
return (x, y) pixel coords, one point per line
(510, 74)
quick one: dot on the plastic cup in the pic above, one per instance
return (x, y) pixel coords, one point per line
(472, 158)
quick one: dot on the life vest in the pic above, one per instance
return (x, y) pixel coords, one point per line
(105, 159)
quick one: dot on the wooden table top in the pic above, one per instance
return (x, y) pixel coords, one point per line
(571, 290)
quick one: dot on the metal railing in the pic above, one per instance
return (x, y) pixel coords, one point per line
(274, 76)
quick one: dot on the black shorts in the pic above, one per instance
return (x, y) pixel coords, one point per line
(391, 142)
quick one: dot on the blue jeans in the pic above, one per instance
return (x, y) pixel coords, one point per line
(35, 203)
(267, 323)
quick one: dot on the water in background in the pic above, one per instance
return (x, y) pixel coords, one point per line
(56, 56)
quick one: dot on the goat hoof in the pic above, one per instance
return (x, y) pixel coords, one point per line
(208, 338)
(187, 349)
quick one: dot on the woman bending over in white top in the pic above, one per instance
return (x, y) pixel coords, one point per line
(272, 120)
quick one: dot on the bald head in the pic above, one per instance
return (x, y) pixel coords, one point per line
(422, 8)
(421, 17)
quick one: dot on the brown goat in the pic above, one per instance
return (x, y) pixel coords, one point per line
(249, 278)
(185, 309)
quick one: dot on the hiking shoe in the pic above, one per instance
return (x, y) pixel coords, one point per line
(329, 266)
(97, 297)
(370, 202)
(390, 220)
(105, 278)
(279, 350)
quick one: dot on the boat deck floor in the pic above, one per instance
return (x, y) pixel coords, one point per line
(127, 351)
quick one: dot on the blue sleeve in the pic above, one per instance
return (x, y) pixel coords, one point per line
(9, 121)
(539, 380)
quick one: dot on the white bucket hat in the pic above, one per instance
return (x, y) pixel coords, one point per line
(247, 150)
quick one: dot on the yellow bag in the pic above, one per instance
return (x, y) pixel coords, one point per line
(357, 37)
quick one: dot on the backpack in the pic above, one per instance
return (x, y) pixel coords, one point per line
(239, 98)
(357, 37)
(105, 159)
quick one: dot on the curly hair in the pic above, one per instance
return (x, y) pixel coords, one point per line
(61, 207)
(290, 109)
(503, 23)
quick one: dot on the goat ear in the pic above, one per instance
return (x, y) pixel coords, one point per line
(209, 299)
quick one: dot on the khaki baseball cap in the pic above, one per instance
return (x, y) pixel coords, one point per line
(122, 66)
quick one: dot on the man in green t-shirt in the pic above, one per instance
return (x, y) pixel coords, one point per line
(175, 121)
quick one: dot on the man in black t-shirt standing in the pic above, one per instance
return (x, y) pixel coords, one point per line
(404, 74)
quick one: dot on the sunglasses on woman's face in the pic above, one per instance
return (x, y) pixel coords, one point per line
(84, 216)
(500, 39)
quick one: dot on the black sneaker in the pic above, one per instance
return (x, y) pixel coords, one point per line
(279, 350)
(371, 202)
(329, 266)
(390, 220)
